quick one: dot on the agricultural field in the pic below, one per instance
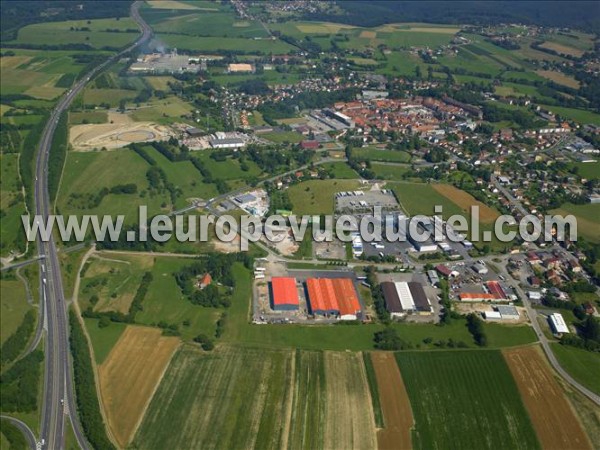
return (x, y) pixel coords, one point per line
(162, 111)
(395, 404)
(552, 416)
(449, 412)
(590, 171)
(583, 365)
(103, 338)
(587, 219)
(249, 398)
(578, 115)
(12, 205)
(389, 172)
(86, 173)
(160, 83)
(317, 196)
(211, 23)
(559, 78)
(283, 136)
(465, 200)
(139, 359)
(79, 118)
(13, 307)
(340, 170)
(215, 44)
(421, 198)
(90, 32)
(230, 168)
(374, 154)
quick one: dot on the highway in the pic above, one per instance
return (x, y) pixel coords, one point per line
(58, 394)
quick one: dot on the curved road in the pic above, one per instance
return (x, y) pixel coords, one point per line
(58, 395)
(22, 426)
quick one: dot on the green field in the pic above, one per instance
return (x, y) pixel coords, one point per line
(57, 33)
(215, 44)
(76, 118)
(421, 198)
(340, 170)
(229, 169)
(374, 154)
(11, 232)
(317, 196)
(465, 400)
(590, 171)
(583, 365)
(388, 172)
(162, 111)
(588, 217)
(239, 401)
(103, 339)
(164, 302)
(209, 23)
(578, 115)
(13, 306)
(87, 173)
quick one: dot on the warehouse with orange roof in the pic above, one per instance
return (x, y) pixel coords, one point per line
(284, 294)
(333, 297)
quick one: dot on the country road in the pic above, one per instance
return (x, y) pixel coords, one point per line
(58, 393)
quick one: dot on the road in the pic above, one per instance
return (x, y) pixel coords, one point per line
(58, 378)
(22, 426)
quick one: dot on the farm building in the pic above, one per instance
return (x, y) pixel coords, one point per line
(558, 324)
(333, 297)
(402, 298)
(284, 294)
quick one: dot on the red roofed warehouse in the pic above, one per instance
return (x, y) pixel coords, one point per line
(284, 294)
(496, 290)
(333, 297)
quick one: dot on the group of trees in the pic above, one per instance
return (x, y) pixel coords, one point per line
(16, 342)
(19, 385)
(219, 267)
(85, 388)
(475, 326)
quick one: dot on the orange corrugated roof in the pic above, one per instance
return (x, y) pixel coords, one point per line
(284, 291)
(496, 290)
(333, 294)
(346, 296)
(470, 295)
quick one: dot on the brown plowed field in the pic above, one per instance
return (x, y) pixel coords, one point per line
(129, 376)
(395, 405)
(555, 423)
(464, 200)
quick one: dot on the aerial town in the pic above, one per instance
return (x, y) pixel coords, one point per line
(299, 224)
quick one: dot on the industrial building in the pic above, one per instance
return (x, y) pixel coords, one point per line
(477, 297)
(166, 63)
(508, 312)
(405, 297)
(496, 290)
(333, 297)
(479, 268)
(284, 294)
(227, 143)
(558, 324)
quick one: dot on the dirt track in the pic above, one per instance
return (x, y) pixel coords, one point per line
(395, 405)
(555, 423)
(121, 132)
(130, 375)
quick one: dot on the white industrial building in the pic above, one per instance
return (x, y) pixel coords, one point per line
(558, 324)
(492, 315)
(534, 295)
(406, 298)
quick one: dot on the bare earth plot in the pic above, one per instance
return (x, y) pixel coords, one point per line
(465, 200)
(130, 375)
(348, 423)
(554, 421)
(397, 413)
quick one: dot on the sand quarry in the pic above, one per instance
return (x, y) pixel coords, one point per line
(119, 132)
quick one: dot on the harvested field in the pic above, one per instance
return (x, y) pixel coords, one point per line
(130, 375)
(170, 4)
(553, 418)
(559, 78)
(348, 423)
(115, 135)
(397, 413)
(322, 27)
(564, 49)
(368, 34)
(465, 200)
